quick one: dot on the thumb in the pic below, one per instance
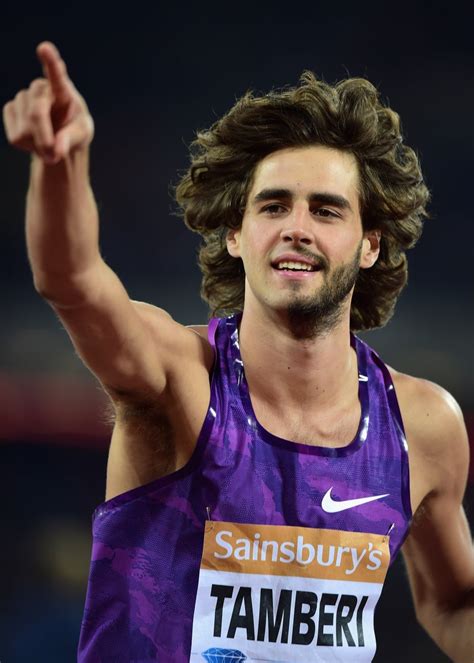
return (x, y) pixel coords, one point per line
(73, 136)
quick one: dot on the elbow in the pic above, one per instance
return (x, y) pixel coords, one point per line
(60, 291)
(451, 626)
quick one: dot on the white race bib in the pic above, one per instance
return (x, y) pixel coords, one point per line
(278, 593)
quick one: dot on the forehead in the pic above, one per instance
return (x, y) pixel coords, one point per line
(308, 169)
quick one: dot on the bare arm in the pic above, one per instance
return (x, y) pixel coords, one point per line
(439, 552)
(130, 347)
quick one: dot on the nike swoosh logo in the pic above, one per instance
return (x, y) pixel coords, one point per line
(332, 506)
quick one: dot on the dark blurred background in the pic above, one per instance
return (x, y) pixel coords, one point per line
(152, 77)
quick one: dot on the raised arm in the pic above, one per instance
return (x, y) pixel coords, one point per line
(130, 347)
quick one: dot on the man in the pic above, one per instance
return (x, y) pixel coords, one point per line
(258, 484)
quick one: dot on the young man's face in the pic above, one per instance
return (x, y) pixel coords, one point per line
(301, 239)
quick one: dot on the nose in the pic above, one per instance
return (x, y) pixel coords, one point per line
(296, 235)
(297, 228)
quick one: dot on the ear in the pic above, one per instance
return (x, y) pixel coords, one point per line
(370, 248)
(233, 242)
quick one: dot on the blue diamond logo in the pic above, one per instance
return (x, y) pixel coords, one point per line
(218, 655)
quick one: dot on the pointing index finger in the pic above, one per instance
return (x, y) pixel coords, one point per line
(55, 71)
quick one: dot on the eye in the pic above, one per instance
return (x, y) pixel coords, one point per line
(274, 209)
(325, 213)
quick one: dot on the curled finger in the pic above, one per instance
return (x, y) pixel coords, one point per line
(40, 125)
(19, 134)
(9, 120)
(39, 87)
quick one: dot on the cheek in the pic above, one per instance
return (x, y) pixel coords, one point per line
(342, 244)
(255, 244)
(258, 242)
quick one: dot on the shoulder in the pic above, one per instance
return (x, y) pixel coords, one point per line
(425, 399)
(158, 317)
(434, 427)
(191, 340)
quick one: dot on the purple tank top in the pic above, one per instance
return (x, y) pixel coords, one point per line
(148, 542)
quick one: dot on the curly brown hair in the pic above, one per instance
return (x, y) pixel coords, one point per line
(348, 116)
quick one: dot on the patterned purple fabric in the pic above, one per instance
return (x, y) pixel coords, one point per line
(148, 541)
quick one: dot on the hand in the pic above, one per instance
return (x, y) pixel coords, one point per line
(50, 118)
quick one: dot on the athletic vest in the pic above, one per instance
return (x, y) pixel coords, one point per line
(259, 547)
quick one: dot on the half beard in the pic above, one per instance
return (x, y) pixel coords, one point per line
(318, 315)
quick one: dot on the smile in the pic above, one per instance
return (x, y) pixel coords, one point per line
(294, 266)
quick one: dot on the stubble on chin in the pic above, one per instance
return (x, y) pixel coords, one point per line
(314, 316)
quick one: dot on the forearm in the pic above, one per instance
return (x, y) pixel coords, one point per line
(62, 228)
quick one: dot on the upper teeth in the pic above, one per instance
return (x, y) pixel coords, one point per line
(290, 264)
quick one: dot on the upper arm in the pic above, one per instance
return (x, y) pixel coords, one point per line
(132, 347)
(438, 551)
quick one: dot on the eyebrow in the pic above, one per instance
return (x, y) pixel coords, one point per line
(316, 197)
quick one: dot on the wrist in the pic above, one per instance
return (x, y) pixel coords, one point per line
(73, 169)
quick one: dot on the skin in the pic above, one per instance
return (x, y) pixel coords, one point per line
(157, 372)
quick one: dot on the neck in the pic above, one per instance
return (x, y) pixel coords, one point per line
(283, 368)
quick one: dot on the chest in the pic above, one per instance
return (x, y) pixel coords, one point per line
(333, 427)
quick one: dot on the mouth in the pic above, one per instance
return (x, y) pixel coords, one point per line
(292, 271)
(295, 267)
